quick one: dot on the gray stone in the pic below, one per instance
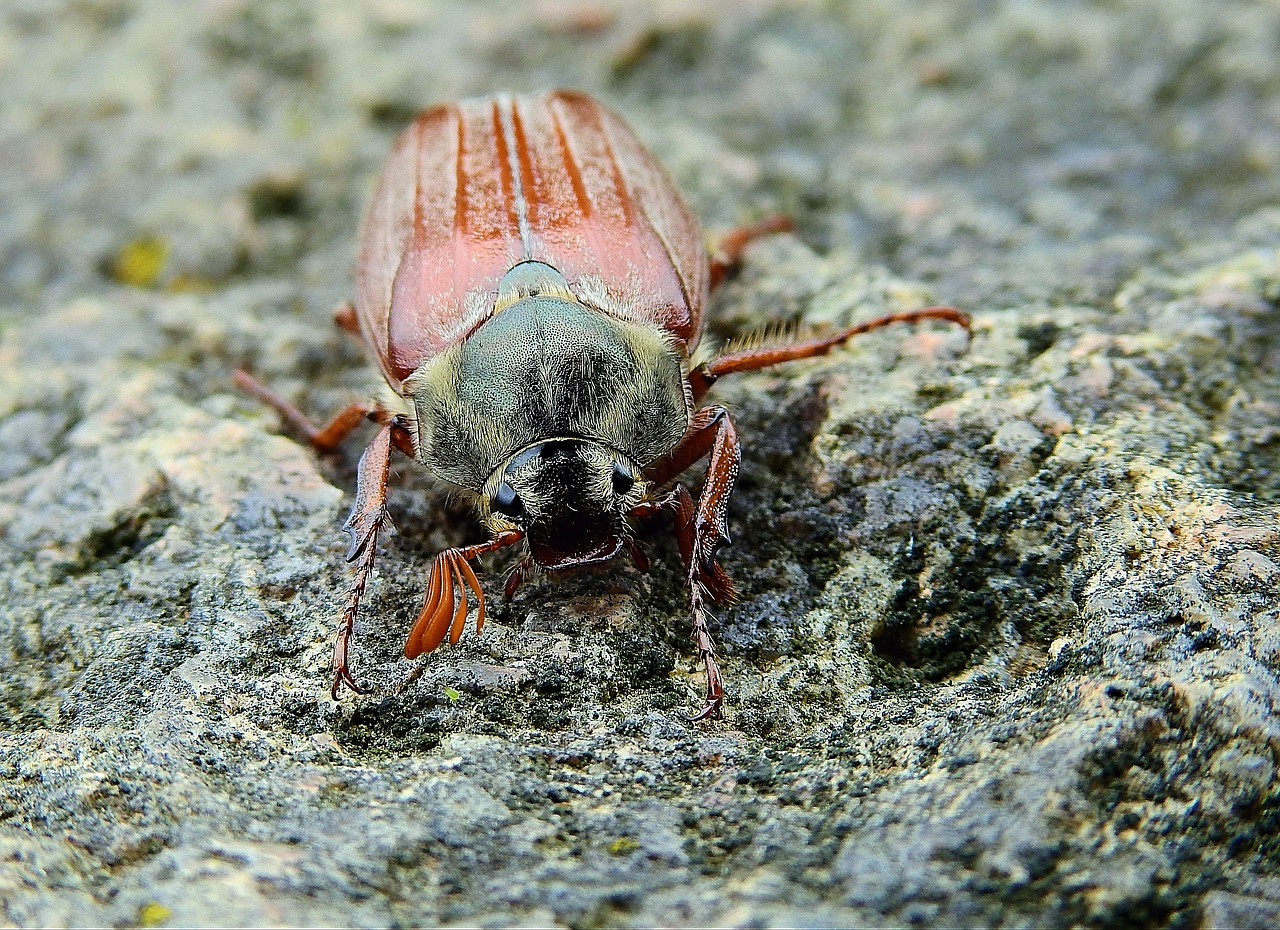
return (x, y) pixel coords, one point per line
(1007, 643)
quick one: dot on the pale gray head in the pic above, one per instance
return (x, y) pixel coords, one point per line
(570, 496)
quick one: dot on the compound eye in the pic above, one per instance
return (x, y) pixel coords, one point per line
(623, 480)
(507, 502)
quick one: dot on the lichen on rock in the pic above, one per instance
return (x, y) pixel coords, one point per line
(1007, 643)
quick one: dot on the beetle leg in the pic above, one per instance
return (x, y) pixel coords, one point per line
(686, 521)
(346, 627)
(345, 316)
(702, 528)
(367, 517)
(684, 515)
(324, 438)
(726, 257)
(639, 557)
(706, 374)
(710, 431)
(515, 577)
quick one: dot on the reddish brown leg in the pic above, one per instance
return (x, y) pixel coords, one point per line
(639, 557)
(345, 317)
(323, 438)
(515, 577)
(702, 529)
(710, 431)
(705, 375)
(370, 511)
(367, 517)
(685, 519)
(726, 257)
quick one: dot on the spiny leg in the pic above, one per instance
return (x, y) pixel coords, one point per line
(726, 257)
(702, 528)
(710, 431)
(369, 512)
(705, 375)
(685, 517)
(367, 517)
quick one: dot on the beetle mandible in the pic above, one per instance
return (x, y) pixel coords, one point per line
(532, 285)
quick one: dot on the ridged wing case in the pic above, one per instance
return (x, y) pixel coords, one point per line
(473, 188)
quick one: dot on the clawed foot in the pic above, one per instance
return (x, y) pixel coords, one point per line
(712, 710)
(342, 677)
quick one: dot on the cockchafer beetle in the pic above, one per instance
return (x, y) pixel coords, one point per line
(533, 286)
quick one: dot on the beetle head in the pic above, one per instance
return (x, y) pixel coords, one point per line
(571, 498)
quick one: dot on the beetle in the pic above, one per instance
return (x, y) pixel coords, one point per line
(532, 286)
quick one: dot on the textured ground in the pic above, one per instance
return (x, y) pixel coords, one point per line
(1008, 646)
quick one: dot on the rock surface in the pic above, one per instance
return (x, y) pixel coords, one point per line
(1008, 640)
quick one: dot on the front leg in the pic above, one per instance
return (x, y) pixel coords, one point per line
(702, 528)
(367, 517)
(710, 432)
(687, 538)
(370, 510)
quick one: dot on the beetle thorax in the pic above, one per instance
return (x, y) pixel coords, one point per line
(545, 367)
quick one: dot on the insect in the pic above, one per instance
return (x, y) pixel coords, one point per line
(532, 286)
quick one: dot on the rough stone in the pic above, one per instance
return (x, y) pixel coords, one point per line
(1008, 641)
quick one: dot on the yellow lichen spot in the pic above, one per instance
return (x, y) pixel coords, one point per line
(140, 263)
(623, 845)
(153, 914)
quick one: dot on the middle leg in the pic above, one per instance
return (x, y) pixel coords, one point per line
(324, 438)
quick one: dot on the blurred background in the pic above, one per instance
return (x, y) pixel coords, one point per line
(971, 145)
(1006, 649)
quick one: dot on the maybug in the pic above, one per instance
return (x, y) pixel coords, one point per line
(533, 286)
